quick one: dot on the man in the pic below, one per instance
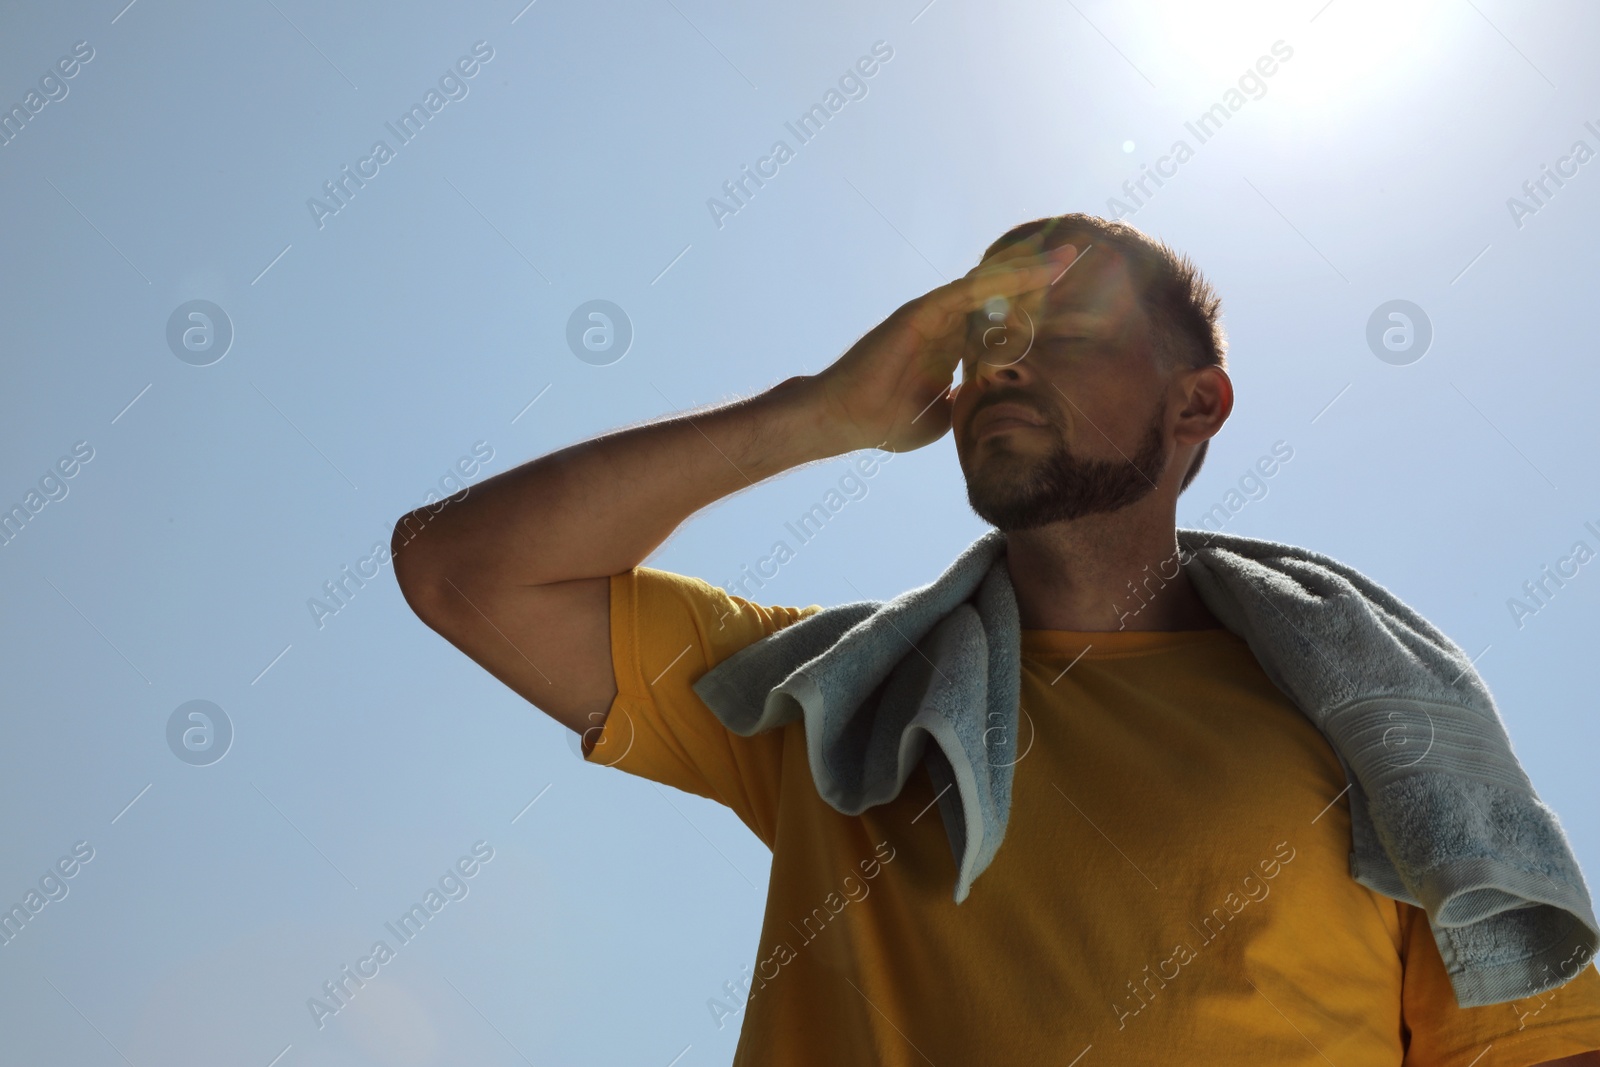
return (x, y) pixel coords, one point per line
(1174, 885)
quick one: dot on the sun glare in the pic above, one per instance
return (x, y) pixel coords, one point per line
(1321, 53)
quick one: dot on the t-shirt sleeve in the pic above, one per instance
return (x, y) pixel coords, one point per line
(1563, 1021)
(667, 630)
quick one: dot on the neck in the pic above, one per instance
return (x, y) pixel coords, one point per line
(1108, 571)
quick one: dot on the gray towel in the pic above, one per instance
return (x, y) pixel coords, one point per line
(1442, 814)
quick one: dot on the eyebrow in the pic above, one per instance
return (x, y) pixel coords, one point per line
(1073, 311)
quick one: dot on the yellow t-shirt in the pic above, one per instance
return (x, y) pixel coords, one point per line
(1173, 887)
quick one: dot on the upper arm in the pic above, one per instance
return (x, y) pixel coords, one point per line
(551, 644)
(616, 659)
(1557, 1026)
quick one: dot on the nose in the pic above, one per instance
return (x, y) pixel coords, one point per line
(1001, 347)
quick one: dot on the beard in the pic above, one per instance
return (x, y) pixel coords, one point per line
(1015, 492)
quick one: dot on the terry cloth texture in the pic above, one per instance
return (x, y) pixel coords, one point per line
(1442, 814)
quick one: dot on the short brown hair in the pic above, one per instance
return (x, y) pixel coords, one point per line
(1184, 310)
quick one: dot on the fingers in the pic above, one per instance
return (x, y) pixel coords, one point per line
(948, 306)
(1012, 262)
(1027, 249)
(1010, 277)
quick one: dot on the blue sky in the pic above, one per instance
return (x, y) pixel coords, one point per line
(421, 331)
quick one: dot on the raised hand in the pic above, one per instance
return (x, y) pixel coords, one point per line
(891, 390)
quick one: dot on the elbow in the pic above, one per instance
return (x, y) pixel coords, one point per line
(415, 561)
(438, 572)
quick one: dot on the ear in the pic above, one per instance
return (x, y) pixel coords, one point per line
(1207, 394)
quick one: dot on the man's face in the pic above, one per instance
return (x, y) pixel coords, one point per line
(1079, 359)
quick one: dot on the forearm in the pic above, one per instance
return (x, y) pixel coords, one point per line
(603, 505)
